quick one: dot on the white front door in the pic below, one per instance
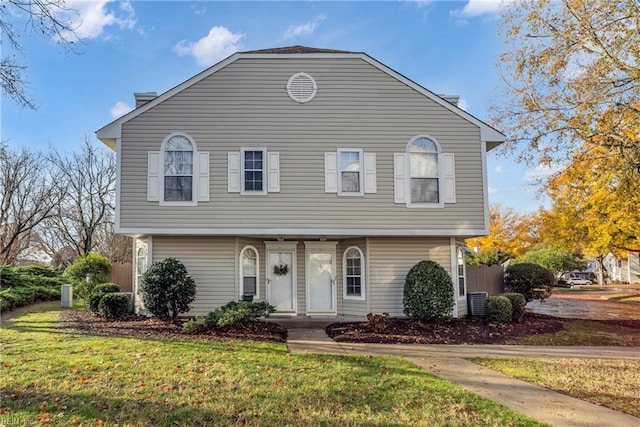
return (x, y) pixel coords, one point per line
(321, 275)
(280, 283)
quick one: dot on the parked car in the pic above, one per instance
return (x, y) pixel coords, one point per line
(577, 280)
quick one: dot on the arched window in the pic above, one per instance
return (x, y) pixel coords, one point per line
(461, 271)
(178, 168)
(353, 272)
(249, 271)
(141, 264)
(424, 170)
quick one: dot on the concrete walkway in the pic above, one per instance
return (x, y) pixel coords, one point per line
(447, 362)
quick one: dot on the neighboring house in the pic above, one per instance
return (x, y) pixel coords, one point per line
(623, 269)
(312, 178)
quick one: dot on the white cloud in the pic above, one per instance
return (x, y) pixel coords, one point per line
(480, 7)
(218, 44)
(303, 29)
(540, 172)
(499, 169)
(198, 10)
(119, 109)
(493, 190)
(463, 104)
(88, 19)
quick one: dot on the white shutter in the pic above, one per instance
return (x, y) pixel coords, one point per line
(370, 185)
(399, 178)
(273, 170)
(153, 176)
(330, 173)
(203, 176)
(233, 178)
(449, 178)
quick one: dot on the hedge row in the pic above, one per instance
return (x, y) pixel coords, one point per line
(27, 285)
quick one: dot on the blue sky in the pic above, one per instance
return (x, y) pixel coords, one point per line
(150, 46)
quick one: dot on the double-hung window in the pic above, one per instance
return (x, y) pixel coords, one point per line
(249, 271)
(178, 169)
(353, 274)
(253, 171)
(424, 171)
(350, 176)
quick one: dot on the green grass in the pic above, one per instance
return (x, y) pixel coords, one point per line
(611, 383)
(585, 332)
(52, 376)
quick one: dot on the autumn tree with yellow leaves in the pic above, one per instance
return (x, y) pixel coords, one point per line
(571, 98)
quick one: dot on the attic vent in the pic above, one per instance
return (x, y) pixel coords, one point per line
(301, 87)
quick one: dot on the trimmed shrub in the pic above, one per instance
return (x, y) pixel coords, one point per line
(93, 301)
(428, 292)
(114, 306)
(167, 289)
(531, 280)
(517, 306)
(497, 309)
(87, 272)
(231, 313)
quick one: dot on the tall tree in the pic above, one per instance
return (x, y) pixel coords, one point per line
(50, 18)
(509, 232)
(572, 79)
(87, 210)
(29, 196)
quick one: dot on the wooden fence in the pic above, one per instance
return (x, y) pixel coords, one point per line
(122, 275)
(485, 278)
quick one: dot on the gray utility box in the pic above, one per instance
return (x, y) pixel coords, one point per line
(66, 296)
(475, 302)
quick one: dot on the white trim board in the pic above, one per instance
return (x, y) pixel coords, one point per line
(283, 232)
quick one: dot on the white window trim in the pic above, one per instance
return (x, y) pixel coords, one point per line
(194, 173)
(411, 204)
(264, 171)
(241, 284)
(464, 273)
(362, 295)
(360, 172)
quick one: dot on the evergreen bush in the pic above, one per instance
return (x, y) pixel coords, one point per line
(517, 305)
(428, 292)
(98, 292)
(497, 309)
(87, 272)
(167, 289)
(114, 306)
(531, 280)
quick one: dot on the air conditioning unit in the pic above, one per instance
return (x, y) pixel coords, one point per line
(475, 302)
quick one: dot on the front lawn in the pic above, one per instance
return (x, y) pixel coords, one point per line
(54, 376)
(611, 383)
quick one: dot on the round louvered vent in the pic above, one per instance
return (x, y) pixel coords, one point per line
(301, 87)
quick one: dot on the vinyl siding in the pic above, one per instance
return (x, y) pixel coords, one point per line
(209, 261)
(390, 259)
(357, 106)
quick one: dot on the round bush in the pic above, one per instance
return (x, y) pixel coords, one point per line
(98, 292)
(114, 306)
(517, 306)
(497, 309)
(428, 292)
(531, 280)
(87, 272)
(167, 289)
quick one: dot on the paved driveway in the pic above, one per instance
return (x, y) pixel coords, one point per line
(575, 308)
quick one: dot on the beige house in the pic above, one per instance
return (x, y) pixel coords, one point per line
(623, 269)
(312, 178)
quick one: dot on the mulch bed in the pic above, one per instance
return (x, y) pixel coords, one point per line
(457, 331)
(84, 321)
(469, 330)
